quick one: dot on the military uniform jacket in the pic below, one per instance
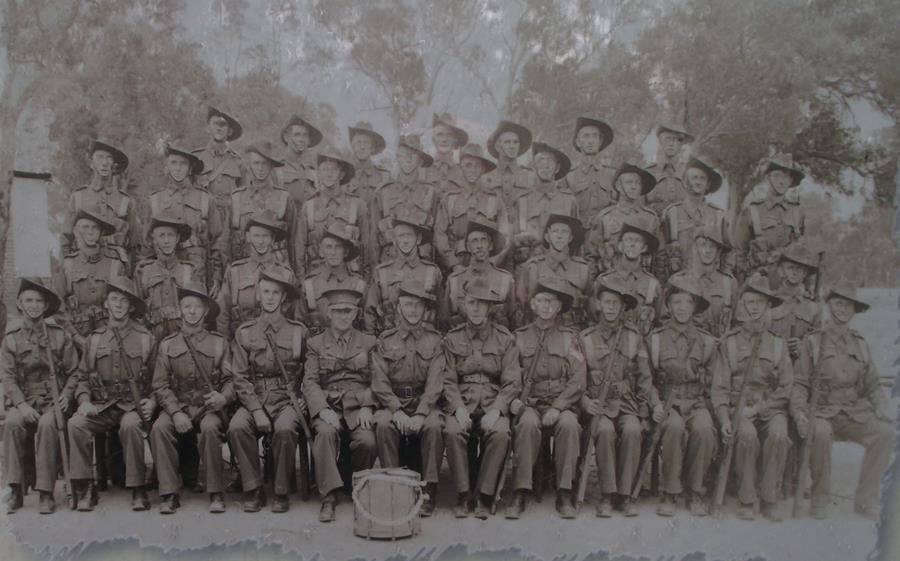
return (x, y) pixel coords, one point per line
(104, 371)
(646, 289)
(313, 308)
(24, 370)
(769, 387)
(157, 282)
(113, 205)
(482, 368)
(253, 199)
(320, 211)
(451, 310)
(457, 207)
(575, 271)
(840, 363)
(338, 374)
(623, 358)
(591, 181)
(530, 212)
(408, 369)
(444, 173)
(603, 231)
(367, 180)
(83, 286)
(237, 297)
(769, 225)
(298, 175)
(177, 380)
(558, 380)
(384, 293)
(683, 220)
(405, 195)
(721, 290)
(682, 359)
(797, 316)
(223, 171)
(257, 378)
(511, 180)
(669, 188)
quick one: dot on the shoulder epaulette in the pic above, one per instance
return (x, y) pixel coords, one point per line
(387, 333)
(14, 325)
(240, 261)
(457, 328)
(501, 329)
(296, 322)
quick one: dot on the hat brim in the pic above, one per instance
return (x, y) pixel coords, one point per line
(52, 299)
(276, 163)
(685, 135)
(489, 166)
(427, 160)
(315, 135)
(796, 175)
(196, 164)
(715, 178)
(183, 230)
(236, 129)
(565, 299)
(605, 130)
(427, 233)
(565, 164)
(461, 137)
(138, 306)
(378, 142)
(578, 233)
(629, 300)
(211, 304)
(106, 229)
(648, 180)
(774, 299)
(278, 233)
(525, 137)
(119, 157)
(858, 305)
(811, 268)
(701, 304)
(351, 246)
(499, 240)
(290, 291)
(348, 169)
(426, 297)
(650, 239)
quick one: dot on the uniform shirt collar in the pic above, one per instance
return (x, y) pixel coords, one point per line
(89, 254)
(408, 179)
(166, 261)
(342, 339)
(262, 184)
(505, 165)
(261, 260)
(100, 184)
(479, 332)
(590, 162)
(558, 259)
(217, 149)
(406, 329)
(627, 268)
(195, 332)
(338, 273)
(173, 185)
(412, 260)
(271, 321)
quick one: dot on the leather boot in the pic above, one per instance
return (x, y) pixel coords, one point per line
(84, 495)
(15, 500)
(697, 505)
(517, 507)
(429, 501)
(482, 510)
(46, 504)
(745, 512)
(168, 504)
(771, 511)
(667, 506)
(139, 500)
(629, 509)
(216, 503)
(326, 511)
(281, 503)
(461, 508)
(604, 507)
(565, 504)
(254, 500)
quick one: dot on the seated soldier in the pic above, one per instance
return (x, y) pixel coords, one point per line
(28, 399)
(114, 393)
(407, 380)
(554, 379)
(337, 387)
(264, 393)
(482, 377)
(193, 383)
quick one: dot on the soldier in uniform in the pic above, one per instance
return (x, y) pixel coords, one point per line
(632, 182)
(407, 380)
(483, 241)
(636, 239)
(767, 225)
(260, 194)
(106, 393)
(182, 199)
(157, 278)
(337, 387)
(851, 406)
(194, 386)
(799, 314)
(28, 399)
(337, 247)
(84, 275)
(681, 355)
(763, 425)
(261, 388)
(369, 177)
(330, 204)
(445, 174)
(409, 232)
(563, 237)
(107, 197)
(471, 198)
(298, 175)
(668, 168)
(507, 143)
(223, 169)
(531, 208)
(551, 390)
(616, 356)
(238, 299)
(482, 376)
(591, 179)
(409, 193)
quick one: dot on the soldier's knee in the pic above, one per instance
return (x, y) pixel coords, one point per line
(210, 423)
(433, 424)
(883, 433)
(822, 430)
(631, 428)
(240, 425)
(14, 422)
(777, 431)
(326, 432)
(567, 424)
(77, 423)
(129, 423)
(529, 421)
(606, 431)
(673, 425)
(364, 439)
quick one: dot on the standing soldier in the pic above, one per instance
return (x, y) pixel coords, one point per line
(337, 387)
(157, 278)
(193, 383)
(336, 248)
(617, 358)
(766, 226)
(837, 364)
(636, 239)
(668, 168)
(408, 193)
(330, 204)
(445, 174)
(563, 237)
(85, 272)
(591, 180)
(799, 314)
(107, 197)
(763, 423)
(407, 380)
(264, 393)
(106, 394)
(181, 199)
(471, 199)
(483, 241)
(298, 175)
(531, 208)
(409, 232)
(551, 357)
(238, 299)
(507, 143)
(25, 373)
(369, 177)
(482, 377)
(261, 194)
(681, 355)
(223, 170)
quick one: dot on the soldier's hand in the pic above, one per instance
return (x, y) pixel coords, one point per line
(214, 291)
(87, 409)
(401, 420)
(802, 424)
(28, 413)
(415, 423)
(462, 417)
(794, 347)
(593, 407)
(365, 418)
(182, 422)
(215, 401)
(148, 406)
(489, 420)
(515, 406)
(748, 412)
(550, 417)
(63, 405)
(727, 431)
(330, 417)
(658, 413)
(263, 424)
(675, 263)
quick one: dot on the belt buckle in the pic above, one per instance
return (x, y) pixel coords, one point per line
(407, 392)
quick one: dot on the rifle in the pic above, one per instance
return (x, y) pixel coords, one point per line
(132, 381)
(807, 440)
(68, 489)
(526, 390)
(287, 383)
(193, 351)
(595, 422)
(736, 418)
